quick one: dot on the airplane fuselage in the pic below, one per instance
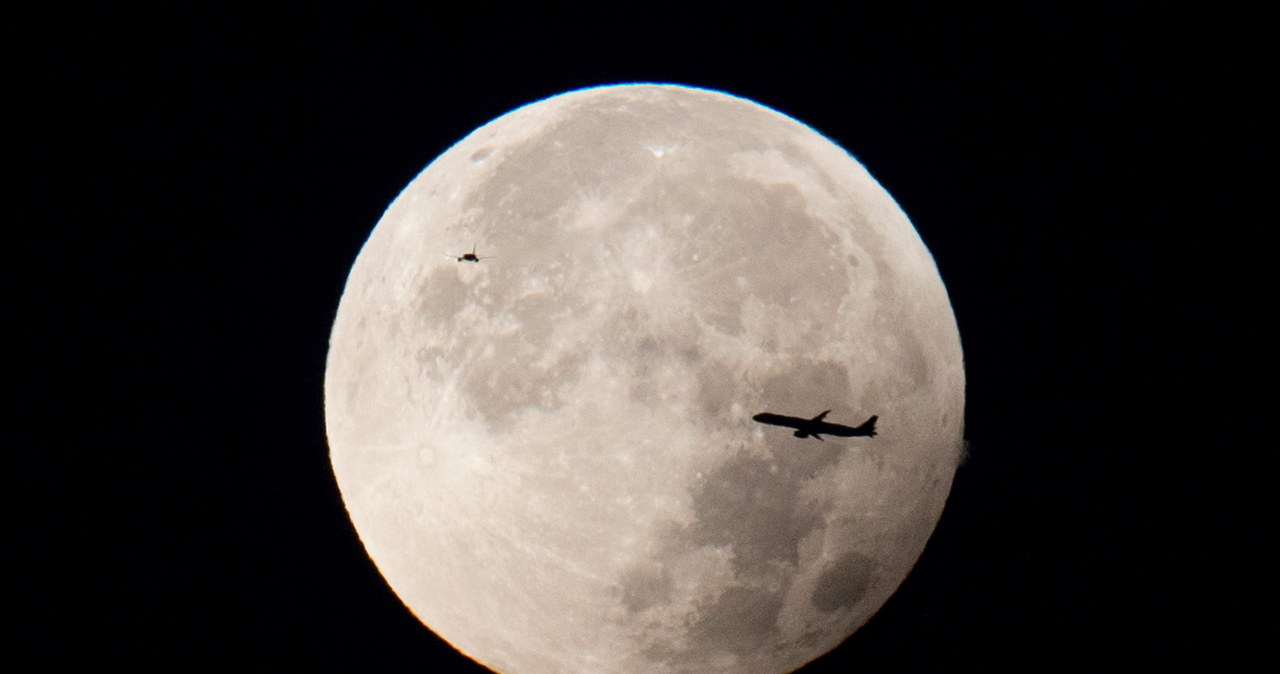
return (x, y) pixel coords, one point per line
(816, 427)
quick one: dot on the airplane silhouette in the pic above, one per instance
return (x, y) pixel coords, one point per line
(471, 257)
(812, 427)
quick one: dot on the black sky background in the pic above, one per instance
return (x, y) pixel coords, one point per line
(193, 187)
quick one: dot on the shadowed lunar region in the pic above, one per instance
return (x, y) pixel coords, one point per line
(551, 455)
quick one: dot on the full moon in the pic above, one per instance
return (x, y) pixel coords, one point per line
(549, 451)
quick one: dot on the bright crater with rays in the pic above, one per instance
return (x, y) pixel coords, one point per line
(549, 454)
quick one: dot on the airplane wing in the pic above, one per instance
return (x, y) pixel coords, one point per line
(838, 430)
(867, 429)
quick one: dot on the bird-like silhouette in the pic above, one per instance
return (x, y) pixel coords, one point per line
(812, 427)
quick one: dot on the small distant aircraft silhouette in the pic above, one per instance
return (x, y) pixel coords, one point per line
(471, 257)
(812, 427)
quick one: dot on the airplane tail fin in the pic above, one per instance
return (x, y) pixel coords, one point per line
(868, 427)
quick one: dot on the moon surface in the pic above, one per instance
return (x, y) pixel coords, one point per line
(549, 453)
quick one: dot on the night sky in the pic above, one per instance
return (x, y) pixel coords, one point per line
(194, 186)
